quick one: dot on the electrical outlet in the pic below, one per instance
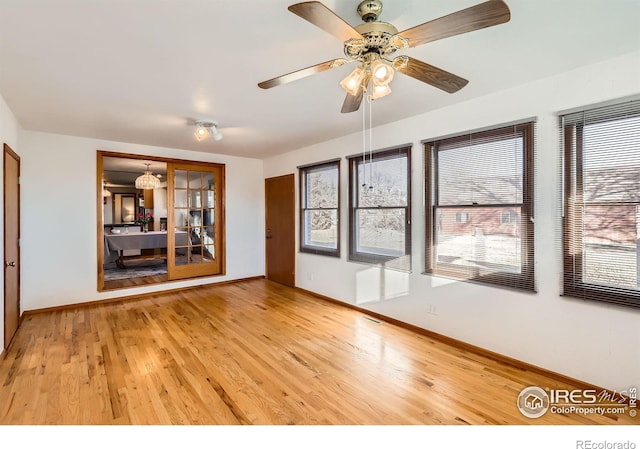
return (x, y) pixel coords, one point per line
(431, 309)
(310, 276)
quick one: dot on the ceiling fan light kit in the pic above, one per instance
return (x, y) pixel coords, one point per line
(351, 84)
(372, 43)
(382, 72)
(379, 91)
(206, 129)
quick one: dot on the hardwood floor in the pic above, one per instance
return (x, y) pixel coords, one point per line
(253, 352)
(135, 282)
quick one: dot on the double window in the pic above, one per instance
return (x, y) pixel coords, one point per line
(379, 208)
(602, 204)
(479, 197)
(319, 208)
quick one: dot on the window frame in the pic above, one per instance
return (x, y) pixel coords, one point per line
(354, 161)
(525, 280)
(311, 249)
(573, 284)
(509, 214)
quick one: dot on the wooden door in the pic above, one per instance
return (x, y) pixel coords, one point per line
(280, 229)
(195, 226)
(11, 244)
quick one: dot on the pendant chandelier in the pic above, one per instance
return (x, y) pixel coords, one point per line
(147, 181)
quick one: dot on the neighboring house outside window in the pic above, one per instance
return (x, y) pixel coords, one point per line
(319, 208)
(379, 208)
(487, 178)
(509, 217)
(601, 227)
(462, 217)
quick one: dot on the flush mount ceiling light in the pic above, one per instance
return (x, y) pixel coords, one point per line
(204, 129)
(147, 181)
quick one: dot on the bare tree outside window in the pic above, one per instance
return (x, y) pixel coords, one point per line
(379, 210)
(319, 217)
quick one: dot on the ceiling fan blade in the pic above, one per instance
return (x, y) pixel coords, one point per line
(298, 74)
(429, 74)
(323, 17)
(352, 102)
(483, 15)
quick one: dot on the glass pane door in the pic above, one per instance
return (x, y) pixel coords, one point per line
(195, 219)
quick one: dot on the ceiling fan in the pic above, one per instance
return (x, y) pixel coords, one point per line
(372, 43)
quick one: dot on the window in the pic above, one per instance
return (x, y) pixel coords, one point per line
(319, 208)
(487, 178)
(509, 217)
(379, 208)
(602, 204)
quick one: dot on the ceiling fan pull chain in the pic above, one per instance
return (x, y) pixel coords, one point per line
(364, 148)
(370, 142)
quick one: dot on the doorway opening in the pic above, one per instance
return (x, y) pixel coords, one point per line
(172, 231)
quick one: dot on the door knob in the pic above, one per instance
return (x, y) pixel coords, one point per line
(10, 264)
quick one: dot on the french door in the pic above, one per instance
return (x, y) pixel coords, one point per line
(195, 220)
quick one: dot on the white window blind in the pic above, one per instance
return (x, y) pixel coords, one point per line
(487, 178)
(602, 204)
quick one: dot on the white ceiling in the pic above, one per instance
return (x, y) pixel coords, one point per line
(142, 71)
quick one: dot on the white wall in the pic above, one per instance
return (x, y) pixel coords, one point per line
(9, 135)
(59, 260)
(592, 342)
(159, 206)
(107, 209)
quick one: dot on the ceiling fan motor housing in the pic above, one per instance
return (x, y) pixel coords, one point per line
(378, 38)
(369, 10)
